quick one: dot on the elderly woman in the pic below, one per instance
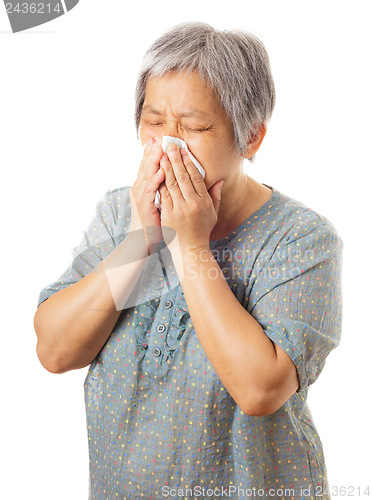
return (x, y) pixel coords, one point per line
(204, 322)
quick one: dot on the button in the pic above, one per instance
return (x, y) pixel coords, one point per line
(156, 352)
(160, 328)
(168, 304)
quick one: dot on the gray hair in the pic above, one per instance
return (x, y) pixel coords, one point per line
(233, 63)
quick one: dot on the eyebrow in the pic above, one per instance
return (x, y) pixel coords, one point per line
(184, 114)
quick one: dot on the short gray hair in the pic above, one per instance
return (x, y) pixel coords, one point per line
(233, 63)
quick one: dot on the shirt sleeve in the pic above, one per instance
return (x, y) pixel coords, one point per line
(300, 301)
(106, 230)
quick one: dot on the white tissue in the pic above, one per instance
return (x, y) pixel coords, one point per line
(167, 139)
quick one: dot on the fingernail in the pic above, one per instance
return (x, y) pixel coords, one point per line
(183, 152)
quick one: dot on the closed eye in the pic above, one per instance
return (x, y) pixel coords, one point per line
(154, 124)
(196, 129)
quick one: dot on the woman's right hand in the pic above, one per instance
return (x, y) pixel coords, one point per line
(145, 215)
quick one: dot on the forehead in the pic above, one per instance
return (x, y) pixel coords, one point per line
(184, 92)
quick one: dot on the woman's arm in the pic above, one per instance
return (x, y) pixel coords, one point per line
(258, 374)
(73, 325)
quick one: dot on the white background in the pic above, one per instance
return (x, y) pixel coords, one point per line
(67, 136)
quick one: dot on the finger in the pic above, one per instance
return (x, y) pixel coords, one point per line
(150, 175)
(215, 192)
(196, 177)
(171, 181)
(152, 154)
(165, 197)
(181, 174)
(146, 148)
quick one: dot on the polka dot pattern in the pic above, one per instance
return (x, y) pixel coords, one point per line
(158, 417)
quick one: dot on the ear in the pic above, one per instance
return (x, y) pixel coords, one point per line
(254, 144)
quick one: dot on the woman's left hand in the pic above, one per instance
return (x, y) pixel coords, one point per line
(186, 205)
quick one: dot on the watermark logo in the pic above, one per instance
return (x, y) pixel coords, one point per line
(139, 269)
(25, 15)
(150, 262)
(232, 491)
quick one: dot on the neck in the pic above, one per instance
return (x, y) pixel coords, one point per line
(241, 196)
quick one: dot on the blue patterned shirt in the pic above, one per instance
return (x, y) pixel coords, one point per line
(160, 422)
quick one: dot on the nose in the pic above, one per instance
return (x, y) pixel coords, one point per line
(173, 129)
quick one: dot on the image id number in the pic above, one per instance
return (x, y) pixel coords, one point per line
(343, 491)
(32, 8)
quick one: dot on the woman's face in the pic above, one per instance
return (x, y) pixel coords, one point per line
(181, 105)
